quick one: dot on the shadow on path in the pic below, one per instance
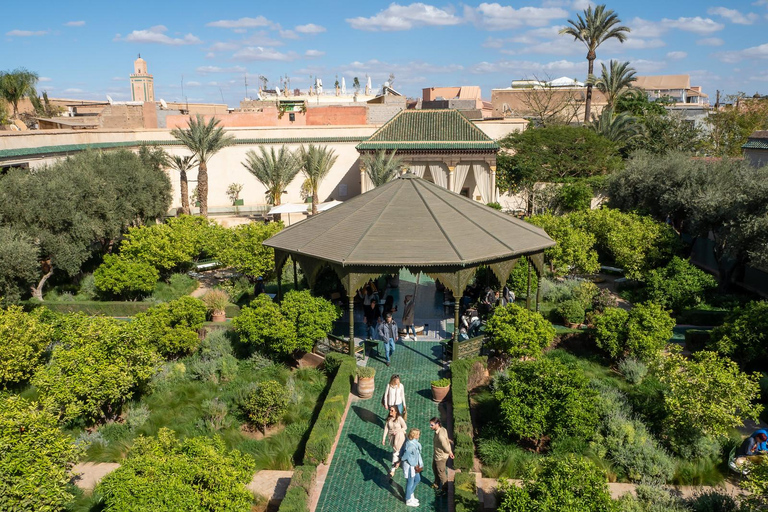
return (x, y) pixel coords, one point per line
(379, 454)
(380, 478)
(368, 416)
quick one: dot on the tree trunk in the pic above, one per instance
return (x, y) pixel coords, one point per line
(184, 186)
(37, 291)
(588, 105)
(202, 188)
(314, 201)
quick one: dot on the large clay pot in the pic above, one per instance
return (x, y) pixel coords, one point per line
(439, 394)
(219, 316)
(365, 387)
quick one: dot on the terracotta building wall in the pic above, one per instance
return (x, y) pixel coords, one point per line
(336, 115)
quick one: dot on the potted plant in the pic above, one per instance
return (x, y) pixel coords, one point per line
(216, 301)
(365, 384)
(233, 192)
(572, 313)
(440, 389)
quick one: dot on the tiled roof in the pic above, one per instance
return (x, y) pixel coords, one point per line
(72, 148)
(756, 144)
(429, 130)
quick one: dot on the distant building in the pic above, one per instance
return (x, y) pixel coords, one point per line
(142, 83)
(674, 87)
(756, 148)
(467, 99)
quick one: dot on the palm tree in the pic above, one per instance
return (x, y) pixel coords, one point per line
(596, 27)
(273, 170)
(16, 84)
(620, 128)
(204, 140)
(183, 164)
(381, 166)
(614, 81)
(316, 162)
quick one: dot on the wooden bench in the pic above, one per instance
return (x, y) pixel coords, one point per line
(207, 264)
(339, 344)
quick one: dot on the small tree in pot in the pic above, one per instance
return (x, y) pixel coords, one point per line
(216, 302)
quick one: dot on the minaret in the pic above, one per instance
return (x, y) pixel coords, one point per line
(142, 83)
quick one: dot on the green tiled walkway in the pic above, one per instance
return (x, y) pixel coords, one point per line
(357, 479)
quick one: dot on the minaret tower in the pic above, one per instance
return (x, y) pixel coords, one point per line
(142, 83)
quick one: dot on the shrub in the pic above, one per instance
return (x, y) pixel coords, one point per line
(678, 285)
(266, 404)
(263, 325)
(178, 285)
(575, 250)
(242, 247)
(462, 421)
(214, 414)
(574, 196)
(494, 205)
(297, 496)
(569, 480)
(441, 383)
(172, 326)
(24, 339)
(35, 458)
(329, 418)
(713, 500)
(706, 395)
(642, 332)
(609, 330)
(465, 493)
(585, 292)
(518, 331)
(571, 311)
(697, 339)
(518, 279)
(365, 372)
(165, 474)
(651, 499)
(125, 277)
(546, 398)
(744, 335)
(312, 318)
(216, 301)
(604, 300)
(95, 368)
(633, 370)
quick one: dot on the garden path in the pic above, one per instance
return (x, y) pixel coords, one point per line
(358, 475)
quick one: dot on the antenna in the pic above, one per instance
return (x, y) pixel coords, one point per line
(222, 95)
(245, 80)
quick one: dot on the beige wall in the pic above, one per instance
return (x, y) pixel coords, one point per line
(526, 102)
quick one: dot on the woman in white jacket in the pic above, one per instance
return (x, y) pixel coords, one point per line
(394, 395)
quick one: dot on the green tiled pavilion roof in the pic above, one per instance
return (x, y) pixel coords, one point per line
(756, 144)
(436, 130)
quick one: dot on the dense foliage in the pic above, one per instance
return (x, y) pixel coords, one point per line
(18, 263)
(266, 404)
(24, 338)
(575, 250)
(124, 277)
(545, 398)
(241, 247)
(518, 332)
(35, 458)
(678, 285)
(642, 332)
(95, 367)
(567, 484)
(172, 327)
(164, 474)
(744, 335)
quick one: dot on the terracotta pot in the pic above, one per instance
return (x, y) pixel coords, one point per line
(219, 316)
(365, 387)
(439, 394)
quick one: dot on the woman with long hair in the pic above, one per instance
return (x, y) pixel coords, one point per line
(394, 435)
(394, 395)
(412, 466)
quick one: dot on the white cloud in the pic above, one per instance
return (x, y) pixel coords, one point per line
(118, 78)
(74, 24)
(733, 15)
(26, 33)
(529, 68)
(73, 90)
(261, 53)
(677, 55)
(288, 34)
(502, 17)
(157, 35)
(192, 83)
(755, 52)
(259, 21)
(405, 17)
(646, 28)
(312, 54)
(710, 41)
(697, 25)
(44, 79)
(261, 38)
(309, 28)
(648, 66)
(204, 70)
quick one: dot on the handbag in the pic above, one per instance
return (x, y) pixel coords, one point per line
(418, 469)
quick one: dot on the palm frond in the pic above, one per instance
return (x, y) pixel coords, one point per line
(274, 170)
(381, 166)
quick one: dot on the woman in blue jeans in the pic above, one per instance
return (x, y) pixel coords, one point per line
(411, 459)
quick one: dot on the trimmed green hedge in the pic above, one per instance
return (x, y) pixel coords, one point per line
(711, 317)
(465, 493)
(696, 339)
(297, 497)
(106, 308)
(462, 421)
(328, 420)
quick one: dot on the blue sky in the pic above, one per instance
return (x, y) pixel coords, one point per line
(85, 49)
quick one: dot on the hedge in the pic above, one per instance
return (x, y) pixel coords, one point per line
(465, 493)
(297, 496)
(462, 421)
(106, 308)
(329, 419)
(696, 339)
(708, 317)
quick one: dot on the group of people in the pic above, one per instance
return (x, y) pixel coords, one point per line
(753, 448)
(406, 448)
(383, 327)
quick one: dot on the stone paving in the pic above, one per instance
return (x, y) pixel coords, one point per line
(358, 477)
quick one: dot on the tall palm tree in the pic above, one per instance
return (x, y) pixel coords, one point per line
(597, 26)
(273, 170)
(204, 140)
(620, 128)
(16, 84)
(382, 166)
(316, 162)
(182, 164)
(614, 81)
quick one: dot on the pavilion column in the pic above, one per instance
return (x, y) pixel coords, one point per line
(493, 184)
(279, 287)
(351, 323)
(457, 303)
(451, 176)
(295, 276)
(363, 184)
(528, 293)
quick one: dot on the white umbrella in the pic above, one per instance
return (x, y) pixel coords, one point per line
(288, 208)
(343, 86)
(327, 206)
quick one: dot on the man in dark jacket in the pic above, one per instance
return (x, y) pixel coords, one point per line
(388, 334)
(372, 317)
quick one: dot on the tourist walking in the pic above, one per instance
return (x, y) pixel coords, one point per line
(394, 436)
(412, 466)
(372, 317)
(442, 452)
(394, 395)
(408, 307)
(507, 296)
(388, 334)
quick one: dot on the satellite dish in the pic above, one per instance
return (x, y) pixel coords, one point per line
(163, 104)
(109, 99)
